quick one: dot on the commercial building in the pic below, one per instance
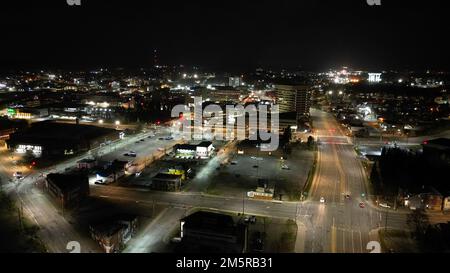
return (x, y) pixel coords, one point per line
(205, 231)
(68, 189)
(111, 172)
(58, 139)
(264, 191)
(294, 98)
(8, 127)
(87, 163)
(166, 182)
(28, 113)
(220, 94)
(113, 234)
(188, 151)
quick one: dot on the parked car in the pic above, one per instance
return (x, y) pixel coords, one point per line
(18, 175)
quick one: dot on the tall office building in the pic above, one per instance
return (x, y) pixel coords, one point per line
(234, 81)
(294, 98)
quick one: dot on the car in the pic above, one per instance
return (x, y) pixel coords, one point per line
(285, 167)
(362, 205)
(256, 166)
(160, 138)
(169, 138)
(99, 182)
(142, 140)
(233, 162)
(385, 205)
(322, 200)
(18, 175)
(149, 136)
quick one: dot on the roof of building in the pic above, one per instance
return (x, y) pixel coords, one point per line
(67, 182)
(87, 160)
(205, 144)
(205, 220)
(57, 134)
(167, 176)
(186, 147)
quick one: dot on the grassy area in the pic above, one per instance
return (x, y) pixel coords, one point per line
(312, 171)
(287, 234)
(397, 241)
(16, 236)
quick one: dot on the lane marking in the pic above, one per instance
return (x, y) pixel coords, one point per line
(333, 237)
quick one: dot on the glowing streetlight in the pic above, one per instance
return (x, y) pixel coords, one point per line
(100, 121)
(117, 122)
(340, 92)
(330, 92)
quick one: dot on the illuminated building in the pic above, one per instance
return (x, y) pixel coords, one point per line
(294, 98)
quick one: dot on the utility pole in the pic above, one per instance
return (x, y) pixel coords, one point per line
(243, 203)
(385, 225)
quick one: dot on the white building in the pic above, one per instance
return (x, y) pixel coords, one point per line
(374, 77)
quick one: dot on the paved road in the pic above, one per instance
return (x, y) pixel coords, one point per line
(340, 225)
(55, 230)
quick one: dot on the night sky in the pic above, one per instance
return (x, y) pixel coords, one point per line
(228, 35)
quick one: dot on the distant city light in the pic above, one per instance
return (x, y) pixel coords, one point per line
(117, 122)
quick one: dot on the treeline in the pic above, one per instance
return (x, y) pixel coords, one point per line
(399, 169)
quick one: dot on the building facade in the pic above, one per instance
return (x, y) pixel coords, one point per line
(294, 98)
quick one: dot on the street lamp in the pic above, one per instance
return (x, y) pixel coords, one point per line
(100, 121)
(117, 122)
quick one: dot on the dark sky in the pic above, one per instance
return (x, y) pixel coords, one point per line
(234, 34)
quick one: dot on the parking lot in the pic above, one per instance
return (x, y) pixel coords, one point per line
(241, 172)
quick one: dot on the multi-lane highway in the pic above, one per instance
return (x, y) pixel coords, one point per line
(339, 224)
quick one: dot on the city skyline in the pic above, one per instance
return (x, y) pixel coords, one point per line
(257, 127)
